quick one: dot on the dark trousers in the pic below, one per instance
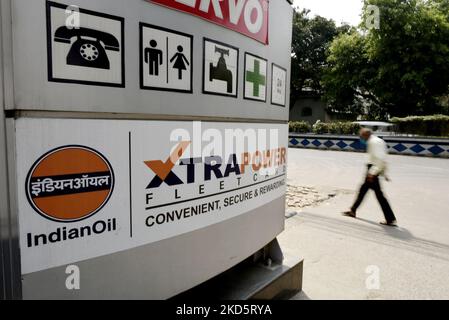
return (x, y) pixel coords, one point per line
(375, 186)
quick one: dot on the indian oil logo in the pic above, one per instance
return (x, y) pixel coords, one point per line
(70, 184)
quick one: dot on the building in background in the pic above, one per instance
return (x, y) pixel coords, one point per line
(309, 107)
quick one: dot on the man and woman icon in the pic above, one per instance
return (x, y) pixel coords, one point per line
(155, 58)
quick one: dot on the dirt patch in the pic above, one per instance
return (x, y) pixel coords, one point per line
(299, 197)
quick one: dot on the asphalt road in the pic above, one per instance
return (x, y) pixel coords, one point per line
(360, 259)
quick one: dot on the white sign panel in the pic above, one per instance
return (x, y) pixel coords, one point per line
(279, 86)
(255, 78)
(221, 65)
(89, 188)
(84, 47)
(166, 59)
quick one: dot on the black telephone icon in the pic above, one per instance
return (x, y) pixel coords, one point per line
(89, 48)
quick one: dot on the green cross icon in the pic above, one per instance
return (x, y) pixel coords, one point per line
(256, 78)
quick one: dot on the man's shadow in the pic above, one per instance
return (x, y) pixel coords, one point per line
(374, 232)
(407, 240)
(396, 232)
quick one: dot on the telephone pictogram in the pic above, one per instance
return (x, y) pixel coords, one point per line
(89, 48)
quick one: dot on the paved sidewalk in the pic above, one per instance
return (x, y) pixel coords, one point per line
(412, 260)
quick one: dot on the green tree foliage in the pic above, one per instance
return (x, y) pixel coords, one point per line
(400, 69)
(349, 77)
(443, 6)
(311, 40)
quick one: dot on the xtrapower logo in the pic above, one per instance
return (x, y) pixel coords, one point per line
(241, 164)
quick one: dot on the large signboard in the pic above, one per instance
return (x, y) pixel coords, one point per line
(94, 187)
(88, 191)
(249, 17)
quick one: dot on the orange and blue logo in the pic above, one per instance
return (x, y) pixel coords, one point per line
(70, 184)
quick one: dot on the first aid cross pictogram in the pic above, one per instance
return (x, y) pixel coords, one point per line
(256, 78)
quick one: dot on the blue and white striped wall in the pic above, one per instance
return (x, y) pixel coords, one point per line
(397, 145)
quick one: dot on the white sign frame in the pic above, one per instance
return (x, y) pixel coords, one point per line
(166, 58)
(206, 68)
(55, 71)
(273, 80)
(246, 86)
(46, 243)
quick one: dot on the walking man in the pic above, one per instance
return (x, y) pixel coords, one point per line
(377, 166)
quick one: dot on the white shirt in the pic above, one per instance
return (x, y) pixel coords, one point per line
(377, 154)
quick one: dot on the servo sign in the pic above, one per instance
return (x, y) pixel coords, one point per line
(249, 17)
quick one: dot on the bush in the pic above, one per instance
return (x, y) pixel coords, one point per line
(334, 128)
(435, 126)
(348, 128)
(320, 128)
(300, 127)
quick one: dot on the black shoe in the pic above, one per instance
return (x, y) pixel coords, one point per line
(350, 214)
(393, 223)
